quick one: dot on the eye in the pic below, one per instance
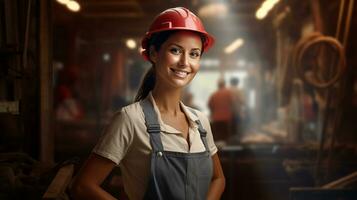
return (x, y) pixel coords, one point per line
(195, 54)
(175, 50)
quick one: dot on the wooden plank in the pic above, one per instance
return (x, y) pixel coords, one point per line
(344, 181)
(11, 107)
(59, 184)
(322, 194)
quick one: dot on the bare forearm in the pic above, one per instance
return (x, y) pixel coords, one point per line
(87, 182)
(216, 189)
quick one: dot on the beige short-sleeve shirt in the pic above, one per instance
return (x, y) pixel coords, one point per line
(126, 142)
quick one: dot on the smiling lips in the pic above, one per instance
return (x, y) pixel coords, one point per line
(180, 73)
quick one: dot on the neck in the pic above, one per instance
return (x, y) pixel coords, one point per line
(167, 100)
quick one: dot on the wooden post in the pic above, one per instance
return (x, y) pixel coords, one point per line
(46, 97)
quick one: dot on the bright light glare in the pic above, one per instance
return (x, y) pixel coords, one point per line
(234, 46)
(140, 49)
(265, 8)
(64, 2)
(213, 10)
(260, 14)
(131, 44)
(106, 57)
(73, 6)
(210, 63)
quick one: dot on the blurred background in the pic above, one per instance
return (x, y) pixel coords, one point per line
(284, 71)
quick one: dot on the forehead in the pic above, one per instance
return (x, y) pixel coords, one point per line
(185, 39)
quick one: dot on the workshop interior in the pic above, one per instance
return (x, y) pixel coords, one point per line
(67, 66)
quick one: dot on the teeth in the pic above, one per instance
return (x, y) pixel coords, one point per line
(181, 74)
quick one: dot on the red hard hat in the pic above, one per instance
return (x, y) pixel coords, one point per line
(178, 18)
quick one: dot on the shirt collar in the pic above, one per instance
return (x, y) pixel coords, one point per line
(166, 128)
(189, 114)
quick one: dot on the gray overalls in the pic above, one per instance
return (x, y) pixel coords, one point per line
(175, 175)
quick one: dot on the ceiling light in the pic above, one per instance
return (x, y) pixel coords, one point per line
(234, 46)
(73, 6)
(106, 57)
(213, 10)
(130, 43)
(64, 2)
(264, 9)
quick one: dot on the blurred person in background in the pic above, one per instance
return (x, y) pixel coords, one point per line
(165, 150)
(221, 105)
(67, 105)
(238, 107)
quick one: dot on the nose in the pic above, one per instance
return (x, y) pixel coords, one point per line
(184, 60)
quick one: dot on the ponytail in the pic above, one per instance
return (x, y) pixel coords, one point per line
(147, 85)
(148, 82)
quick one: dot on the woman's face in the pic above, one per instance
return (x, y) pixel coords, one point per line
(177, 61)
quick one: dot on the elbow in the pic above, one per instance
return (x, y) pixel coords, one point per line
(217, 187)
(222, 181)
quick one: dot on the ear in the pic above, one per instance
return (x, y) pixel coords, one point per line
(153, 54)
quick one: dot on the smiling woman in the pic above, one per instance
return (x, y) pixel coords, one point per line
(165, 149)
(177, 62)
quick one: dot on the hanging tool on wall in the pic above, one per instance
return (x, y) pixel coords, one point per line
(322, 77)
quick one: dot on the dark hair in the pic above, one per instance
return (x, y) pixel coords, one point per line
(234, 81)
(148, 81)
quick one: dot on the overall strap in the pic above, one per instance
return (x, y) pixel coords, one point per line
(152, 125)
(202, 131)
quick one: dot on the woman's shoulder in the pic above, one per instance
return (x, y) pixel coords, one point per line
(132, 110)
(127, 115)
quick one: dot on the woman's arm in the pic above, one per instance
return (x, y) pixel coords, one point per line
(218, 181)
(90, 177)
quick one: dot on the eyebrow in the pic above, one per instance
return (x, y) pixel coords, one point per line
(183, 48)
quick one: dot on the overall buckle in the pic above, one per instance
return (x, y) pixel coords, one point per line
(153, 128)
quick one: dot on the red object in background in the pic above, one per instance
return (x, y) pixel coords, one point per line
(63, 93)
(68, 107)
(221, 105)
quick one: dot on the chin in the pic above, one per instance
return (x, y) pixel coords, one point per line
(180, 83)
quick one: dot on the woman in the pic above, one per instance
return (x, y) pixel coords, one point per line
(165, 150)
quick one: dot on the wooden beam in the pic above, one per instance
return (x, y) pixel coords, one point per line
(342, 182)
(325, 194)
(46, 106)
(59, 184)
